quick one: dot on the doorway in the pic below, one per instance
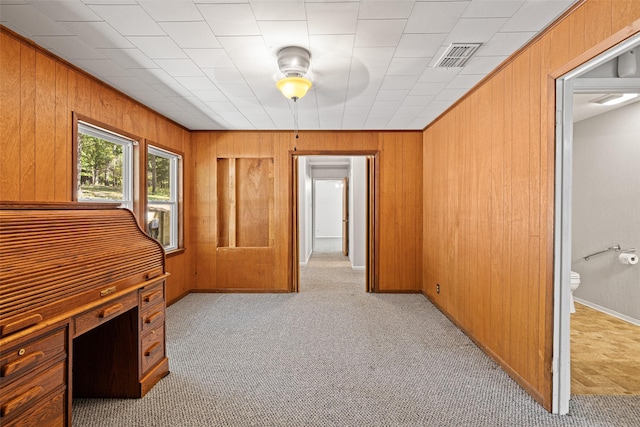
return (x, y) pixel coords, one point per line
(349, 182)
(595, 80)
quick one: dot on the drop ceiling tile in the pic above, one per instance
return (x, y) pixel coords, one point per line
(129, 83)
(535, 15)
(504, 44)
(419, 45)
(210, 58)
(241, 47)
(224, 75)
(379, 33)
(129, 58)
(421, 100)
(103, 67)
(222, 107)
(230, 19)
(390, 95)
(209, 95)
(332, 18)
(179, 67)
(492, 9)
(427, 89)
(386, 105)
(407, 66)
(438, 74)
(248, 103)
(278, 10)
(89, 2)
(30, 21)
(170, 90)
(70, 47)
(474, 30)
(278, 34)
(158, 47)
(398, 82)
(374, 57)
(164, 10)
(464, 81)
(197, 83)
(380, 9)
(361, 101)
(339, 45)
(191, 35)
(128, 20)
(155, 76)
(98, 34)
(66, 10)
(435, 17)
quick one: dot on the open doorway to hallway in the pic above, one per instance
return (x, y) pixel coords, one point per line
(335, 210)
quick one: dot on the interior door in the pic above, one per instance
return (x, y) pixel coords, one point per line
(345, 217)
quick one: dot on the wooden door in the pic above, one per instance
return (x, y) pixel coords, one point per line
(345, 217)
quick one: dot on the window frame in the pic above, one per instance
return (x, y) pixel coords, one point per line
(132, 169)
(176, 190)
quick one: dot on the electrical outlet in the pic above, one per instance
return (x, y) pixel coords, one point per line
(437, 288)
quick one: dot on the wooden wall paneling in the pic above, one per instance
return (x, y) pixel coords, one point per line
(27, 123)
(599, 28)
(81, 96)
(62, 171)
(520, 197)
(484, 213)
(254, 188)
(499, 247)
(534, 347)
(282, 203)
(624, 13)
(204, 205)
(577, 29)
(388, 234)
(9, 121)
(45, 132)
(560, 37)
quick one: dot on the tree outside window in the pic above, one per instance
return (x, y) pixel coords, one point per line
(163, 196)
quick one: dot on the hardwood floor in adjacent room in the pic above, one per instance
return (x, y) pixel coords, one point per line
(605, 354)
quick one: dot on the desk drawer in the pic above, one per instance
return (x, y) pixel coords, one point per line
(152, 348)
(151, 295)
(49, 413)
(21, 395)
(20, 359)
(104, 313)
(151, 318)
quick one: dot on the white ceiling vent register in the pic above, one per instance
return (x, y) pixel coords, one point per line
(457, 55)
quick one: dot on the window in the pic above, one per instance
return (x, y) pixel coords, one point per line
(105, 166)
(163, 195)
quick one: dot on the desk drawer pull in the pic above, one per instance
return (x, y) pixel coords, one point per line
(22, 363)
(154, 347)
(20, 324)
(152, 317)
(152, 296)
(24, 398)
(111, 310)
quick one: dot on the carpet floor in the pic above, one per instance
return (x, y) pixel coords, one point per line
(332, 355)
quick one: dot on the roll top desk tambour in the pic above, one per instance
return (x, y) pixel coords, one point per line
(82, 308)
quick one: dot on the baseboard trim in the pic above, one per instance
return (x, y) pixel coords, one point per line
(608, 311)
(239, 291)
(505, 367)
(358, 267)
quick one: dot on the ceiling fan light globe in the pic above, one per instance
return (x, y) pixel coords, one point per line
(293, 87)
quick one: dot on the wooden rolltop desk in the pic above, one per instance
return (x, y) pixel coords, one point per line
(82, 308)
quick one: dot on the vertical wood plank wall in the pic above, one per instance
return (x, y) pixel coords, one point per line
(488, 197)
(400, 205)
(38, 94)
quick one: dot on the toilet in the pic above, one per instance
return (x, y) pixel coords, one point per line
(575, 282)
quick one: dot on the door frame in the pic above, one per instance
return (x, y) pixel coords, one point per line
(372, 214)
(565, 87)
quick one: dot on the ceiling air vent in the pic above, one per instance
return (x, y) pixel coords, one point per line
(457, 55)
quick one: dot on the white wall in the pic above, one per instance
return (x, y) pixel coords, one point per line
(606, 208)
(305, 222)
(328, 208)
(358, 212)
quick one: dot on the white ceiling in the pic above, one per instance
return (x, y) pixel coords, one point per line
(211, 64)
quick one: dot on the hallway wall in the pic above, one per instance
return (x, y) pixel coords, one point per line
(489, 199)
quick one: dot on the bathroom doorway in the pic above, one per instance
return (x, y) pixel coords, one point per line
(590, 170)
